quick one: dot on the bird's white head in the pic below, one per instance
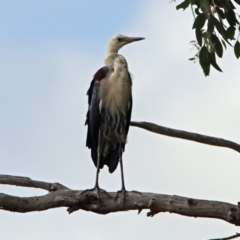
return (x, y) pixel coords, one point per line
(119, 41)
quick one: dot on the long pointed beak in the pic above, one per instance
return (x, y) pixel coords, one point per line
(134, 39)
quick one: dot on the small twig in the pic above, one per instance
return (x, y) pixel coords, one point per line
(139, 207)
(193, 12)
(187, 135)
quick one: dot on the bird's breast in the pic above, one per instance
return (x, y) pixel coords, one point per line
(115, 91)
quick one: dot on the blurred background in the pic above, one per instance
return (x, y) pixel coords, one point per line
(49, 51)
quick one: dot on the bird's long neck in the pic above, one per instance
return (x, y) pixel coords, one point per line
(112, 53)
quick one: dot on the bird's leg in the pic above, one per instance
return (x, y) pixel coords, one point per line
(96, 188)
(98, 164)
(123, 190)
(122, 176)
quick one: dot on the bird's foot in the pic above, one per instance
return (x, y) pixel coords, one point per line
(94, 193)
(122, 192)
(134, 191)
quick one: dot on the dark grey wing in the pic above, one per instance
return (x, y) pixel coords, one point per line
(93, 124)
(98, 76)
(93, 114)
(129, 114)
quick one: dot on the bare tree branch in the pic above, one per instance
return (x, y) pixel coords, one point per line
(228, 238)
(112, 202)
(187, 135)
(28, 182)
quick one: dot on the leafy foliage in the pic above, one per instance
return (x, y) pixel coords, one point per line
(215, 26)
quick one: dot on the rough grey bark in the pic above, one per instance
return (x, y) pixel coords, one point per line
(61, 196)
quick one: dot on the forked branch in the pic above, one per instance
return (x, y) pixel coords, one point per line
(60, 196)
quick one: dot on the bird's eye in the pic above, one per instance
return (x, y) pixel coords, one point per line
(119, 39)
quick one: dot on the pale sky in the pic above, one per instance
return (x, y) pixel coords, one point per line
(49, 52)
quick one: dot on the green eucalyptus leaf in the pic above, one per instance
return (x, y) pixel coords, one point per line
(220, 28)
(230, 32)
(224, 44)
(237, 49)
(221, 3)
(183, 5)
(199, 21)
(205, 5)
(204, 60)
(213, 62)
(231, 18)
(199, 36)
(217, 45)
(220, 13)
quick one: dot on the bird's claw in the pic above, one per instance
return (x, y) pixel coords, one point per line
(134, 191)
(123, 192)
(95, 193)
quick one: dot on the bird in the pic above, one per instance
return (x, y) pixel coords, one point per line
(109, 110)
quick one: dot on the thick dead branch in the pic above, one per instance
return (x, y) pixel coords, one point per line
(75, 200)
(187, 135)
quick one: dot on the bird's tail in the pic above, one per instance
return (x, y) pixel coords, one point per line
(112, 159)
